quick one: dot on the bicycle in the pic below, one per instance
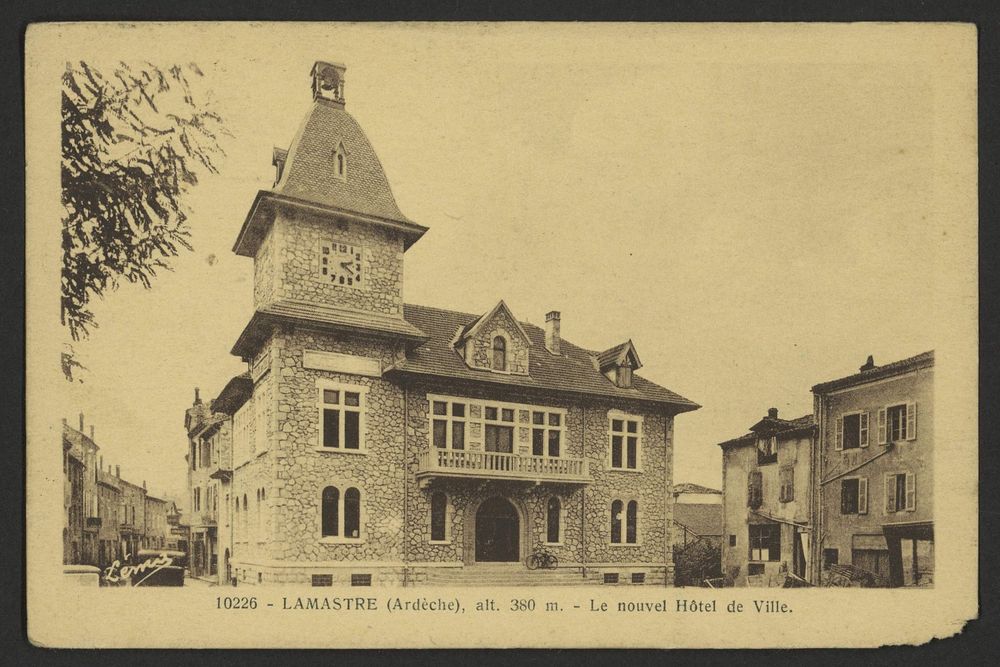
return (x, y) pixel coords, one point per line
(542, 558)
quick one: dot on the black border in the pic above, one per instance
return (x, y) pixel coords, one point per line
(977, 641)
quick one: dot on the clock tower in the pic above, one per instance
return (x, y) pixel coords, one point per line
(328, 235)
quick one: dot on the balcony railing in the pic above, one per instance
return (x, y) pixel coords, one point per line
(496, 465)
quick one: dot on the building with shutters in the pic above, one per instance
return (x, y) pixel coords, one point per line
(385, 442)
(767, 484)
(874, 475)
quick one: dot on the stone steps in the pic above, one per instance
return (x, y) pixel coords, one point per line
(505, 576)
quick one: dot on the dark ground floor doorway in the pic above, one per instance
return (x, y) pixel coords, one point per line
(498, 531)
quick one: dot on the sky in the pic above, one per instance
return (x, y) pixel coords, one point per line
(755, 221)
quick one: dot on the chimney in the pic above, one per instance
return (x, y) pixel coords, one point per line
(197, 396)
(869, 365)
(552, 337)
(143, 485)
(118, 471)
(81, 422)
(92, 432)
(328, 83)
(100, 462)
(65, 423)
(772, 413)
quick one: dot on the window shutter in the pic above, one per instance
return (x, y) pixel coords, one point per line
(881, 426)
(890, 493)
(863, 429)
(911, 492)
(862, 495)
(839, 444)
(911, 421)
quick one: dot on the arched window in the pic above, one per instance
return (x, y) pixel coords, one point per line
(553, 514)
(499, 353)
(631, 522)
(616, 522)
(244, 510)
(352, 513)
(330, 511)
(340, 162)
(439, 511)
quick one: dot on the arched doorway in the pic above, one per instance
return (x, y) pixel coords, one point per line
(498, 531)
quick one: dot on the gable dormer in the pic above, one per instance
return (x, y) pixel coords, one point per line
(495, 342)
(619, 363)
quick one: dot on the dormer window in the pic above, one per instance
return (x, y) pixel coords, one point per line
(340, 161)
(499, 353)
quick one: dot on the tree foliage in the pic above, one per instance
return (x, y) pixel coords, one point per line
(134, 141)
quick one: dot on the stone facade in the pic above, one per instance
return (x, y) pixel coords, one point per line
(338, 454)
(288, 264)
(478, 346)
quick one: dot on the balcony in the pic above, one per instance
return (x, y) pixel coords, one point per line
(496, 465)
(92, 524)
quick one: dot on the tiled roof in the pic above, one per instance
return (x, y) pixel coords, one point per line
(923, 360)
(232, 397)
(315, 315)
(309, 170)
(574, 370)
(699, 518)
(688, 487)
(781, 427)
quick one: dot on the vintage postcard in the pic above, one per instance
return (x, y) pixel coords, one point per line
(501, 335)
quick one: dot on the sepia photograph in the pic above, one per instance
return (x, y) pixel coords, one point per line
(615, 326)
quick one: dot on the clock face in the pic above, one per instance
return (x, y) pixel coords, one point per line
(340, 263)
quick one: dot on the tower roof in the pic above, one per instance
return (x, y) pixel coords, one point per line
(330, 167)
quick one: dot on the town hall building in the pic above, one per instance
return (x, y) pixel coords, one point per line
(376, 442)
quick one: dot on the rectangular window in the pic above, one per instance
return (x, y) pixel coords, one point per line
(732, 540)
(755, 489)
(830, 557)
(361, 580)
(448, 427)
(638, 577)
(322, 580)
(499, 439)
(341, 418)
(901, 422)
(851, 431)
(625, 432)
(755, 569)
(786, 475)
(854, 495)
(767, 450)
(900, 492)
(765, 541)
(611, 577)
(462, 423)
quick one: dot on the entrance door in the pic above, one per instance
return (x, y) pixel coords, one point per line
(497, 532)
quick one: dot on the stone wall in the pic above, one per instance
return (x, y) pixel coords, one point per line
(301, 472)
(264, 275)
(479, 348)
(396, 511)
(296, 256)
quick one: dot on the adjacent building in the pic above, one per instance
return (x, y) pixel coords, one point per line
(109, 507)
(874, 474)
(106, 517)
(157, 530)
(375, 441)
(843, 496)
(766, 483)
